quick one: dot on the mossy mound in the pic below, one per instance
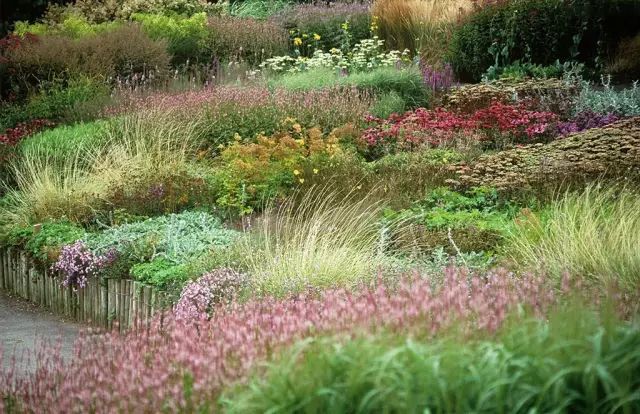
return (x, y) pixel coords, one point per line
(611, 152)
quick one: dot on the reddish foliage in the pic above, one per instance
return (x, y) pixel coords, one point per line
(13, 135)
(12, 42)
(440, 126)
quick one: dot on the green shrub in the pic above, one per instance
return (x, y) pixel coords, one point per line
(473, 221)
(77, 99)
(571, 364)
(160, 272)
(593, 234)
(45, 240)
(248, 40)
(72, 25)
(520, 71)
(175, 237)
(98, 11)
(625, 102)
(185, 36)
(257, 9)
(388, 104)
(540, 32)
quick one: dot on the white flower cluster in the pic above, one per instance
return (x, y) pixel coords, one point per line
(368, 54)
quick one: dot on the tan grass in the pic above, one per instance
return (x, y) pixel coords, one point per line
(422, 26)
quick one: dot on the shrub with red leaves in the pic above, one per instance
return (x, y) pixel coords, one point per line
(13, 135)
(440, 126)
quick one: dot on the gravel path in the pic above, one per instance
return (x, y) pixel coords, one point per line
(23, 324)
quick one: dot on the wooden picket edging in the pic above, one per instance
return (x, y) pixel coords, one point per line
(103, 302)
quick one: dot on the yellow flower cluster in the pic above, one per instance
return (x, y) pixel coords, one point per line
(374, 24)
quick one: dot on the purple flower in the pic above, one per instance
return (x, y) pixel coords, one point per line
(586, 120)
(77, 263)
(157, 191)
(438, 80)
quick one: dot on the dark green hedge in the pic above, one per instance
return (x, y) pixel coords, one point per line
(542, 31)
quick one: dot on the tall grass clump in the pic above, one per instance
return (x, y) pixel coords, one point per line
(571, 364)
(595, 233)
(323, 240)
(64, 141)
(422, 26)
(135, 150)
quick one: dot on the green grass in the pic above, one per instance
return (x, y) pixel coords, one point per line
(257, 9)
(64, 141)
(323, 240)
(574, 363)
(405, 83)
(594, 234)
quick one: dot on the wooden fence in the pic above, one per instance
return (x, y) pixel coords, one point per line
(103, 302)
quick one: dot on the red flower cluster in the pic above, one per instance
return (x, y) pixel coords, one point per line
(440, 126)
(13, 135)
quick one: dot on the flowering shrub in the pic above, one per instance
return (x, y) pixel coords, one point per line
(440, 126)
(178, 367)
(367, 54)
(514, 119)
(198, 298)
(586, 120)
(77, 264)
(250, 173)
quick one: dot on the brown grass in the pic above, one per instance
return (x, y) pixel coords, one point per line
(422, 26)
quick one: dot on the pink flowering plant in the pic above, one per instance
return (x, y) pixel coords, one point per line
(199, 297)
(173, 365)
(77, 263)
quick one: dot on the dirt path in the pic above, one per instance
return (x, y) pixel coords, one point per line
(22, 324)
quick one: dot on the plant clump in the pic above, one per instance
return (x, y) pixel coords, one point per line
(612, 151)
